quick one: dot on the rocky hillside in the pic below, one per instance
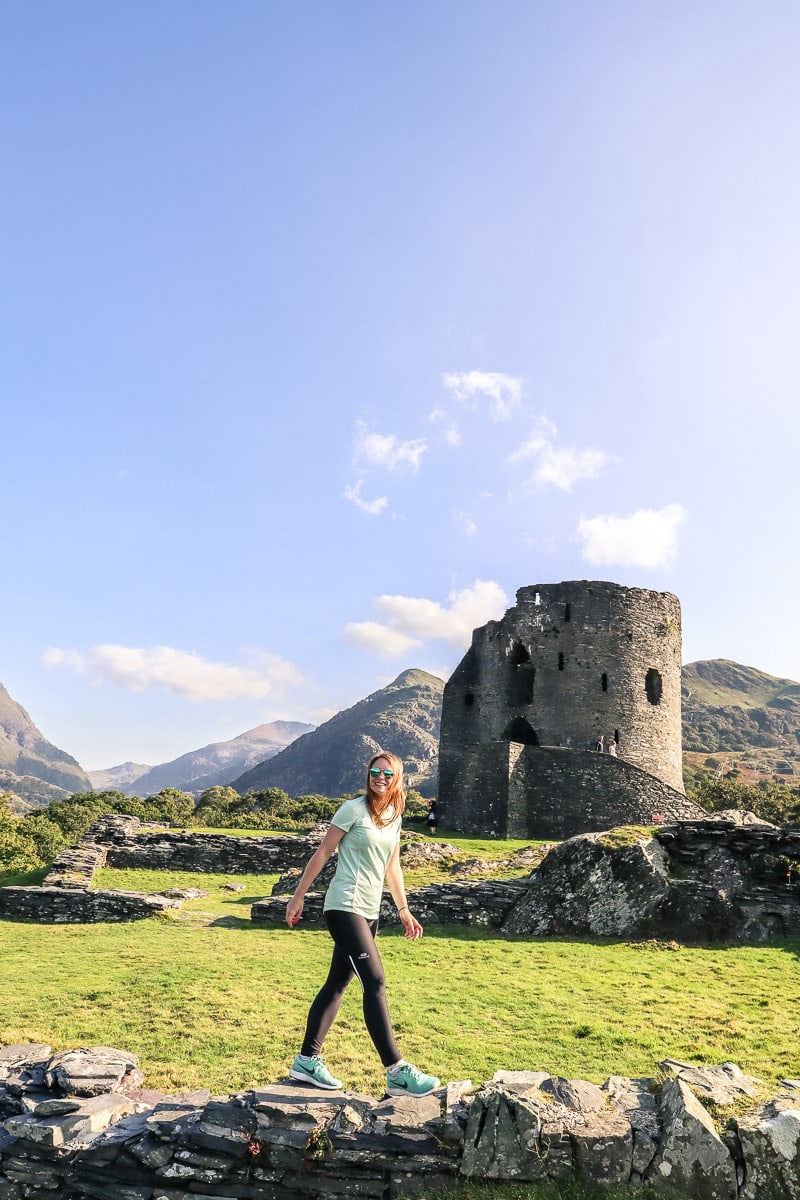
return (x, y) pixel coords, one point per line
(403, 717)
(31, 768)
(727, 707)
(212, 765)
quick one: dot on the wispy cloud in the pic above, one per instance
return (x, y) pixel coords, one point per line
(467, 524)
(452, 434)
(649, 538)
(186, 674)
(409, 621)
(375, 507)
(558, 466)
(503, 392)
(386, 449)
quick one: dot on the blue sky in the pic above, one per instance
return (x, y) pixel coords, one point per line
(326, 326)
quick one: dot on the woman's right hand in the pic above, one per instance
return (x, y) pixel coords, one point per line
(294, 910)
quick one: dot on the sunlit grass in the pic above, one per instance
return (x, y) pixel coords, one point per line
(223, 1005)
(219, 900)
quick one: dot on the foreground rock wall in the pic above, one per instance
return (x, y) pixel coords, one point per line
(78, 1125)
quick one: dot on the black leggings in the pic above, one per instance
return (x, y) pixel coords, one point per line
(354, 953)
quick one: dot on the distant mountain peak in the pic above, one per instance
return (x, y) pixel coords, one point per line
(207, 767)
(28, 760)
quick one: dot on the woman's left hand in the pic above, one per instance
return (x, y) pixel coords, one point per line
(411, 925)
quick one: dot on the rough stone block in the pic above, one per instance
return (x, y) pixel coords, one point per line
(722, 1084)
(692, 1160)
(503, 1137)
(92, 1071)
(603, 1148)
(770, 1143)
(23, 1056)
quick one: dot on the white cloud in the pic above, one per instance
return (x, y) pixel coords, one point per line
(410, 620)
(466, 523)
(375, 507)
(504, 392)
(140, 669)
(649, 538)
(386, 449)
(380, 639)
(558, 466)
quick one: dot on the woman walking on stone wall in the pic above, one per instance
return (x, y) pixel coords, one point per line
(366, 831)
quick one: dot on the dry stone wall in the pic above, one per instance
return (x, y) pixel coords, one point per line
(204, 852)
(463, 902)
(79, 1125)
(80, 906)
(708, 880)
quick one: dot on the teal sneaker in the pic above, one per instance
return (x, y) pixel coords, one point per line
(409, 1081)
(313, 1070)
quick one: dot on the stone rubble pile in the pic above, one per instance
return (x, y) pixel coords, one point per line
(79, 1125)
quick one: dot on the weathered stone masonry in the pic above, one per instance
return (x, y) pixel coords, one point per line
(570, 661)
(79, 1126)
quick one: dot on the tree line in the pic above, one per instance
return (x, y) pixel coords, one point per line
(31, 842)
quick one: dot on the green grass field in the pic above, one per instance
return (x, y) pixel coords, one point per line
(206, 999)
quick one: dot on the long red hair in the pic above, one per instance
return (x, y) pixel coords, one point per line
(395, 795)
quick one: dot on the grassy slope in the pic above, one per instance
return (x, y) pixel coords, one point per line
(719, 682)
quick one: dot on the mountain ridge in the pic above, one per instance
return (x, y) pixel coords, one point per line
(30, 765)
(404, 717)
(215, 763)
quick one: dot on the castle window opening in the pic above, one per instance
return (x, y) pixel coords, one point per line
(469, 699)
(652, 685)
(567, 612)
(604, 681)
(519, 655)
(616, 737)
(560, 661)
(520, 730)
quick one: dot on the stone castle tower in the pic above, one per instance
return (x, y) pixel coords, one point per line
(522, 711)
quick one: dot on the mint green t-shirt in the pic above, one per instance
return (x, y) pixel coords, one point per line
(364, 854)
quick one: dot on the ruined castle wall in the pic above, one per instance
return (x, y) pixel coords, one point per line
(208, 852)
(510, 790)
(568, 662)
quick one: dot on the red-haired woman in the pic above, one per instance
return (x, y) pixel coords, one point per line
(366, 831)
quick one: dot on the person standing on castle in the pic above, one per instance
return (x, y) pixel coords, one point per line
(612, 748)
(599, 744)
(366, 832)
